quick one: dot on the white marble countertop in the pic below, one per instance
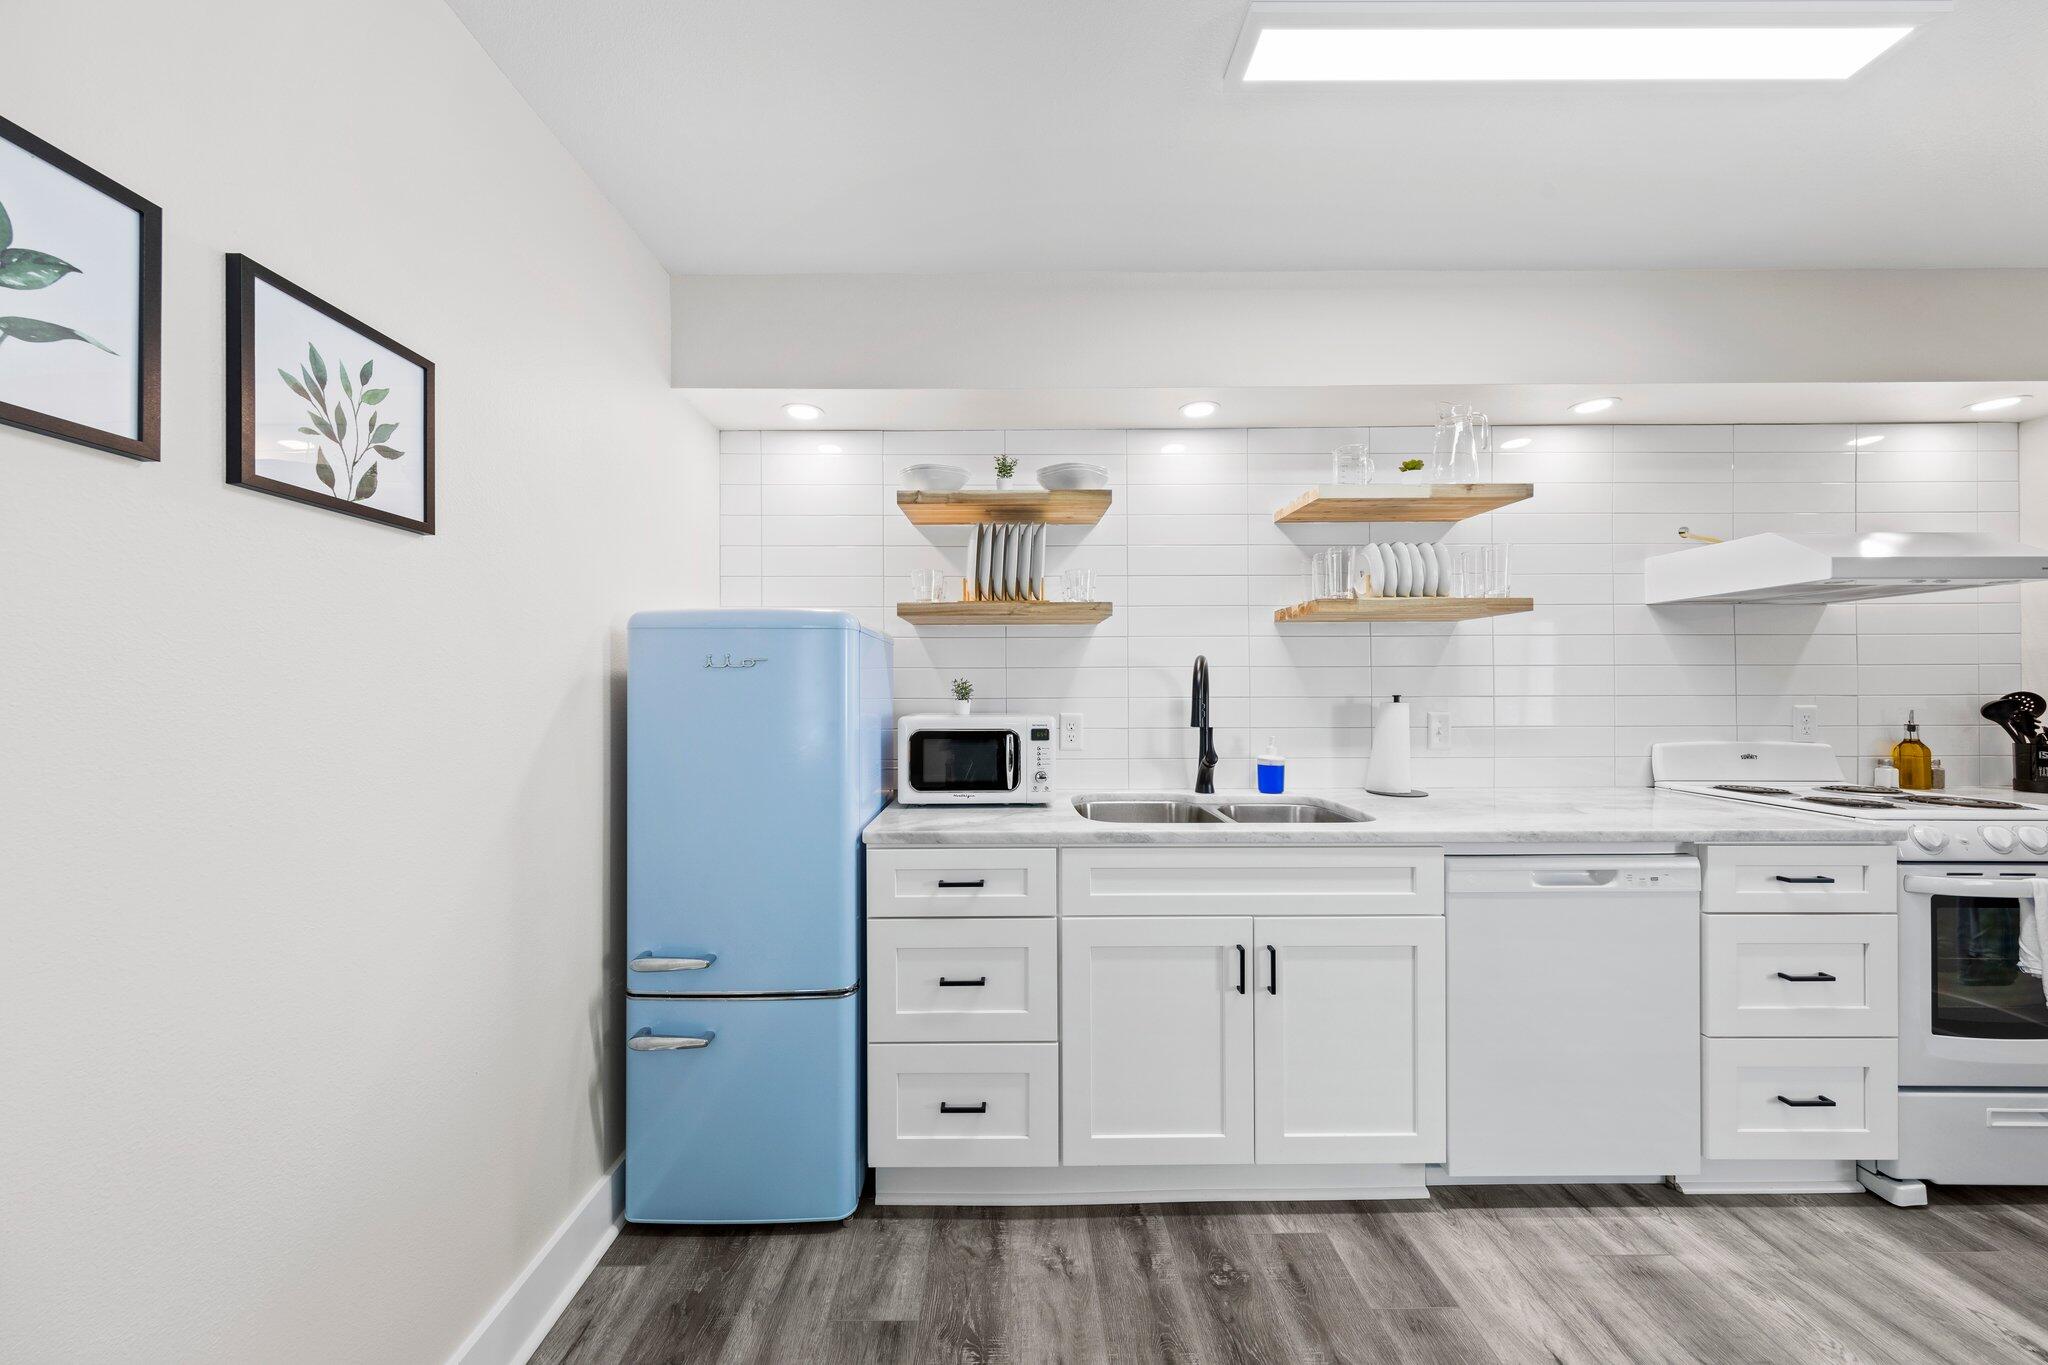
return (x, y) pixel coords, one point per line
(1563, 816)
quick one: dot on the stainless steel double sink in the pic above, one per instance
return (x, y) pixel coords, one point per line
(1184, 811)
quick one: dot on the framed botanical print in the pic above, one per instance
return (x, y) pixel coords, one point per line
(324, 410)
(81, 300)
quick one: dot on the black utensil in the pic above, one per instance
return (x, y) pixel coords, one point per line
(2015, 713)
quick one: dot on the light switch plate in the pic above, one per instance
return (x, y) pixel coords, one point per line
(1073, 733)
(1806, 723)
(1439, 729)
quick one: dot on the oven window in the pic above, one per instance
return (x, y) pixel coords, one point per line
(961, 760)
(1979, 989)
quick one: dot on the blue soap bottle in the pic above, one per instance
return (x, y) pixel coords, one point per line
(1272, 770)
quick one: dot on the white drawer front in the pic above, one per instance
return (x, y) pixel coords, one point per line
(1751, 879)
(952, 882)
(964, 1104)
(1252, 881)
(1762, 1098)
(1801, 976)
(963, 980)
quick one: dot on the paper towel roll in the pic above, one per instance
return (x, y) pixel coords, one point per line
(1387, 772)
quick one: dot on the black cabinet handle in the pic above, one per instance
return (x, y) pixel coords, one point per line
(1789, 881)
(945, 885)
(983, 981)
(1817, 1102)
(1272, 970)
(1240, 968)
(945, 1108)
(1817, 976)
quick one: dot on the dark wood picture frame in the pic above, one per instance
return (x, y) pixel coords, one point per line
(146, 444)
(242, 276)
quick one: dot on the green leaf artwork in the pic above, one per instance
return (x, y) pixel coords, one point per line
(24, 268)
(358, 442)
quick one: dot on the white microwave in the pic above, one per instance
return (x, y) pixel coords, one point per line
(965, 760)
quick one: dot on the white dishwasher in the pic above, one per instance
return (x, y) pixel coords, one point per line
(1574, 1016)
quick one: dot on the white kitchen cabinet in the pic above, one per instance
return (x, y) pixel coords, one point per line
(1251, 881)
(1156, 1040)
(908, 883)
(1801, 976)
(1767, 879)
(1349, 1021)
(1772, 1099)
(963, 980)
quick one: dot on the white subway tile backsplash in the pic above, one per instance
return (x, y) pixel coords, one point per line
(1572, 693)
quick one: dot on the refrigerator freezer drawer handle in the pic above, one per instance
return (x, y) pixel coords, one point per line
(670, 964)
(654, 1042)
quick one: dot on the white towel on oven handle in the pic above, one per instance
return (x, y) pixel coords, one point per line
(2031, 910)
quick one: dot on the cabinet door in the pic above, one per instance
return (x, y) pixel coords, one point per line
(1156, 1041)
(1350, 1039)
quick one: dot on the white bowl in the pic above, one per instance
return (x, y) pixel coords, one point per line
(934, 478)
(1057, 476)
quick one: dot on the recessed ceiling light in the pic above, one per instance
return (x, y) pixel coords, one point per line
(1173, 448)
(1517, 443)
(1587, 407)
(2011, 400)
(802, 412)
(1861, 441)
(1328, 42)
(1198, 409)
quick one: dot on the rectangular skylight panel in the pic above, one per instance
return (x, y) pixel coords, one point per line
(1335, 55)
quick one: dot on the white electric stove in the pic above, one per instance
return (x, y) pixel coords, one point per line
(1963, 825)
(1973, 1020)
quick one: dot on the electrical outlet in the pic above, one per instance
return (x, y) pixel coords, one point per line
(1439, 729)
(1806, 723)
(1073, 734)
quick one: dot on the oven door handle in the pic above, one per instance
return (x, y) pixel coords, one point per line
(1986, 888)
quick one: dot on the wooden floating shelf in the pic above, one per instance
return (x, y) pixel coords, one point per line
(1005, 613)
(1404, 609)
(970, 506)
(1402, 502)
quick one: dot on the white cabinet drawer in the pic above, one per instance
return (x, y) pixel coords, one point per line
(1252, 881)
(1764, 1098)
(963, 1104)
(1752, 879)
(1803, 976)
(963, 980)
(913, 882)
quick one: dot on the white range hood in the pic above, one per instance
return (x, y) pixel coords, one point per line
(1795, 568)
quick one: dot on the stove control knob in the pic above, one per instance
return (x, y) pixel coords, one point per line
(1998, 837)
(1929, 838)
(2034, 839)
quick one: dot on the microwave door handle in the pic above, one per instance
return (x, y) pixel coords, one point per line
(1009, 760)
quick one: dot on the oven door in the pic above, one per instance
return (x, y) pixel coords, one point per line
(1968, 1015)
(965, 764)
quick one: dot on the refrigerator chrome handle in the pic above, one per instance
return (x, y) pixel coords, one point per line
(655, 1042)
(669, 964)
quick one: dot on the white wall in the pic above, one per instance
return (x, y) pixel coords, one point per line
(2033, 443)
(1441, 328)
(1570, 694)
(309, 871)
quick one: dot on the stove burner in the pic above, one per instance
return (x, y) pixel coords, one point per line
(1751, 791)
(1856, 802)
(1862, 791)
(1966, 802)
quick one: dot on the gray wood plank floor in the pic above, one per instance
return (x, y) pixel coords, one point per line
(1477, 1274)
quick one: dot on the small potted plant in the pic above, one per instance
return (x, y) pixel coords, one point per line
(1411, 472)
(963, 696)
(1005, 466)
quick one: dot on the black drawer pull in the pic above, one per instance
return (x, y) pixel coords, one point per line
(1272, 970)
(1817, 976)
(1240, 968)
(958, 886)
(1789, 881)
(945, 1108)
(983, 981)
(1817, 1102)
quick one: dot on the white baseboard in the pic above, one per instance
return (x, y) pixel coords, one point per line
(518, 1322)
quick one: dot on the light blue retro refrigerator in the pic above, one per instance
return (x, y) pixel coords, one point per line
(754, 752)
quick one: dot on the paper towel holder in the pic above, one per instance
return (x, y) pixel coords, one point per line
(1377, 739)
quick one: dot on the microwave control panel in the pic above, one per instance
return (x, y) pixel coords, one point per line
(1038, 761)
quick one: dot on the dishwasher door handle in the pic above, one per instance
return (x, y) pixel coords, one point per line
(1587, 877)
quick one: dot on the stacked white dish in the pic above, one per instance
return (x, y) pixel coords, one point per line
(1409, 568)
(934, 478)
(1006, 562)
(1073, 474)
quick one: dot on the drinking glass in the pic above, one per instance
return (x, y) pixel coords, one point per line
(1078, 585)
(1336, 572)
(1351, 464)
(1496, 571)
(1318, 571)
(924, 585)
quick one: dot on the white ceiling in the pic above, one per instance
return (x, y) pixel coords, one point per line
(799, 136)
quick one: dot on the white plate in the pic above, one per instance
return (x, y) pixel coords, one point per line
(984, 539)
(1411, 574)
(1013, 544)
(1038, 562)
(1376, 565)
(1430, 570)
(934, 478)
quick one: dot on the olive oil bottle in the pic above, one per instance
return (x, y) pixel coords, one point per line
(1913, 759)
